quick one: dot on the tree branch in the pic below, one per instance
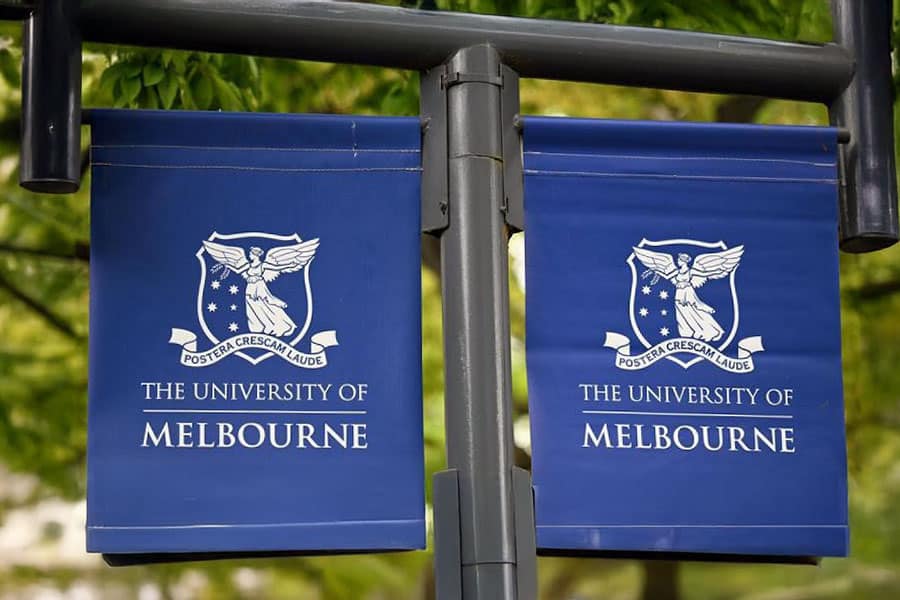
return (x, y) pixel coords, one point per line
(739, 109)
(874, 291)
(10, 127)
(85, 162)
(660, 580)
(53, 320)
(431, 253)
(887, 422)
(80, 252)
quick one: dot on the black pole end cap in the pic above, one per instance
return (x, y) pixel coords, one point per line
(50, 185)
(861, 244)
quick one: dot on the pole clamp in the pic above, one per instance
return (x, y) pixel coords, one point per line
(448, 553)
(434, 85)
(448, 80)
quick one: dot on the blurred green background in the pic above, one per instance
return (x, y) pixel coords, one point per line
(44, 248)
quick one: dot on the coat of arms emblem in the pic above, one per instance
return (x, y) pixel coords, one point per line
(250, 303)
(684, 306)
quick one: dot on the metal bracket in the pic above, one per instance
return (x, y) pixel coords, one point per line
(526, 544)
(433, 111)
(448, 80)
(513, 185)
(434, 84)
(447, 552)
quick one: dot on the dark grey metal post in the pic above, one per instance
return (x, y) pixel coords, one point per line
(868, 182)
(51, 98)
(476, 327)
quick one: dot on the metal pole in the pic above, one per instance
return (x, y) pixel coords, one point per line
(363, 33)
(51, 98)
(869, 184)
(474, 274)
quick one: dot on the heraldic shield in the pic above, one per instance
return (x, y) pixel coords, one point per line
(701, 307)
(255, 283)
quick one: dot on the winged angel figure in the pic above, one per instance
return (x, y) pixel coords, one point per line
(695, 317)
(265, 312)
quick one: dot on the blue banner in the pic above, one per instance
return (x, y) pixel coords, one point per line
(683, 344)
(255, 336)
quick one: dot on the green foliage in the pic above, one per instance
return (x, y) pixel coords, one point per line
(895, 45)
(10, 57)
(806, 20)
(169, 79)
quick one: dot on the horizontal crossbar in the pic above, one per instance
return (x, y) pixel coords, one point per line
(361, 33)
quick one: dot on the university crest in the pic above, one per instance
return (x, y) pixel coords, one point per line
(683, 306)
(251, 302)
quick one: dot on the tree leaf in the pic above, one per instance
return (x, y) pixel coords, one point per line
(585, 9)
(131, 69)
(129, 87)
(149, 99)
(187, 98)
(179, 61)
(153, 74)
(202, 91)
(227, 94)
(9, 66)
(252, 73)
(167, 89)
(110, 77)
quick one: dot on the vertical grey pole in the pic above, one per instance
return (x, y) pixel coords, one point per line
(476, 327)
(868, 184)
(51, 98)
